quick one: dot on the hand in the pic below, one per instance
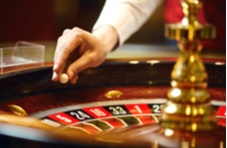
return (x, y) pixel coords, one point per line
(92, 49)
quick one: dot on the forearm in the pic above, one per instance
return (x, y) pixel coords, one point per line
(126, 16)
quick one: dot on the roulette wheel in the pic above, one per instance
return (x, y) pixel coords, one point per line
(122, 103)
(115, 111)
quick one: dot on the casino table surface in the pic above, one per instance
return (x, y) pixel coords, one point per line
(134, 79)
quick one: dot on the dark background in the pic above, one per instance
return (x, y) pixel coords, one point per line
(45, 20)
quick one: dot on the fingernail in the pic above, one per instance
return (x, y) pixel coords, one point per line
(54, 76)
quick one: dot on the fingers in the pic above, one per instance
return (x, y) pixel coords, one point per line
(79, 65)
(74, 79)
(66, 31)
(91, 53)
(90, 58)
(61, 55)
(68, 42)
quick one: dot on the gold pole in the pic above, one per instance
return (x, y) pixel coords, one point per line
(188, 107)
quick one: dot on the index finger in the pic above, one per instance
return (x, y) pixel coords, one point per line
(65, 46)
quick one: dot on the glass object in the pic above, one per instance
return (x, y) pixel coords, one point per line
(22, 56)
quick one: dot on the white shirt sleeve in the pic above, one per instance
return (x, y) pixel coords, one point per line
(126, 16)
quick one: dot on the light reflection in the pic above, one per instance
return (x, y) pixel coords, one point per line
(133, 62)
(221, 144)
(193, 78)
(194, 127)
(51, 123)
(173, 83)
(176, 92)
(201, 111)
(188, 110)
(170, 109)
(185, 144)
(185, 22)
(192, 58)
(219, 63)
(193, 142)
(194, 111)
(193, 99)
(150, 82)
(153, 61)
(196, 1)
(168, 132)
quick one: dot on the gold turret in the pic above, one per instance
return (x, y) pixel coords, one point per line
(188, 107)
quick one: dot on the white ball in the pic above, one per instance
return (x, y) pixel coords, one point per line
(64, 78)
